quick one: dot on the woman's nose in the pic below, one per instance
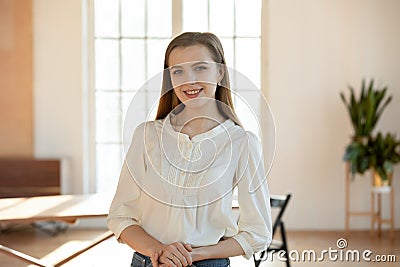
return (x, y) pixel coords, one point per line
(190, 77)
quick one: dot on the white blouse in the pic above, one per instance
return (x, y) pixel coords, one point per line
(181, 190)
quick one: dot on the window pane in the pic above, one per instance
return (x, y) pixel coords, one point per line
(108, 117)
(248, 58)
(227, 44)
(195, 15)
(134, 112)
(107, 64)
(155, 56)
(135, 104)
(247, 106)
(136, 109)
(132, 17)
(106, 27)
(126, 99)
(222, 17)
(133, 64)
(109, 162)
(159, 18)
(248, 18)
(152, 104)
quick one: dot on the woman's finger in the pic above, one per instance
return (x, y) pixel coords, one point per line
(166, 261)
(154, 259)
(184, 256)
(188, 247)
(154, 263)
(178, 261)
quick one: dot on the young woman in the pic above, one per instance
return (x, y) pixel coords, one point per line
(173, 204)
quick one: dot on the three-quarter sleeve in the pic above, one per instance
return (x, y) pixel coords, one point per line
(255, 227)
(125, 207)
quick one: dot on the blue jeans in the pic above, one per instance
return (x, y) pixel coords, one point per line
(140, 260)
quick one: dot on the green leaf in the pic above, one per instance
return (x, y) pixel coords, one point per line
(362, 96)
(343, 98)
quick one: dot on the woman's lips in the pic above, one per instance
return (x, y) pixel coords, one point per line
(193, 93)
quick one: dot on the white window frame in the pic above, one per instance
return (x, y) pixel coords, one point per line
(89, 134)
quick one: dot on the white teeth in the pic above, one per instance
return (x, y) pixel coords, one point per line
(193, 92)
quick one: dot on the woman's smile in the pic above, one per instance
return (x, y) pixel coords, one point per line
(193, 92)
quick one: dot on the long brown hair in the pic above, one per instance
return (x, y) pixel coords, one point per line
(169, 101)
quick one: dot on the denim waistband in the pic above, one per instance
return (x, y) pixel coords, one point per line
(144, 261)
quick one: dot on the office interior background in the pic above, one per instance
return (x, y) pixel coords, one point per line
(69, 70)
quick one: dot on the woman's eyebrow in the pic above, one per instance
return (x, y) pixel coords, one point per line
(199, 63)
(175, 67)
(179, 66)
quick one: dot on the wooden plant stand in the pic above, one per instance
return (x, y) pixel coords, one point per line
(375, 214)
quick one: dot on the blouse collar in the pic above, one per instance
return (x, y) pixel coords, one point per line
(220, 128)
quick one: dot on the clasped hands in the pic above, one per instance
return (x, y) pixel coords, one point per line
(173, 255)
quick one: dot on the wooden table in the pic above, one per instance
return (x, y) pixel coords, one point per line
(65, 208)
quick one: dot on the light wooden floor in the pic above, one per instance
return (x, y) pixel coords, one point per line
(110, 253)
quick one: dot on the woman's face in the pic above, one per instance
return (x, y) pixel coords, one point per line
(194, 75)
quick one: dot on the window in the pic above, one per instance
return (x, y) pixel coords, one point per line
(130, 38)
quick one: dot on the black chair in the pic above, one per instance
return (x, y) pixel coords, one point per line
(278, 202)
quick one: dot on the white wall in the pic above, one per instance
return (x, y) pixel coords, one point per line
(316, 49)
(57, 50)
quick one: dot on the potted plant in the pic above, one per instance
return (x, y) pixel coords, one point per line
(383, 153)
(364, 112)
(357, 153)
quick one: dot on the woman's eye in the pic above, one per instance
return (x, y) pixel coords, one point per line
(176, 72)
(200, 68)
